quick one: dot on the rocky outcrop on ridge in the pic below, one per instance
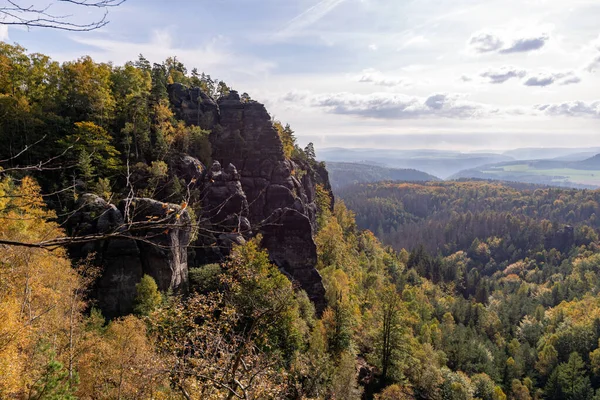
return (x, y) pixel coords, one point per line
(225, 212)
(154, 242)
(251, 188)
(280, 192)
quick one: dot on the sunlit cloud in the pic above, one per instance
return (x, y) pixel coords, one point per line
(502, 74)
(572, 109)
(549, 78)
(506, 42)
(375, 77)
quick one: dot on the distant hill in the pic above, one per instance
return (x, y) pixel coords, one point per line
(435, 162)
(590, 163)
(559, 153)
(342, 174)
(576, 156)
(584, 174)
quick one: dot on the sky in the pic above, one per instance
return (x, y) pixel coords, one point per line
(444, 74)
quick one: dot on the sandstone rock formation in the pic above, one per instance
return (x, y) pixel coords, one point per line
(160, 234)
(280, 192)
(224, 220)
(251, 188)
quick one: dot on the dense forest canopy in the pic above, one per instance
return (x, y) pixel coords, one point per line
(481, 290)
(344, 174)
(448, 216)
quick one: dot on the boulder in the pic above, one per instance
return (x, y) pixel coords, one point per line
(189, 169)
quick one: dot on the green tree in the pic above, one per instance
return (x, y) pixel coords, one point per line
(93, 148)
(147, 297)
(391, 341)
(54, 384)
(86, 91)
(569, 381)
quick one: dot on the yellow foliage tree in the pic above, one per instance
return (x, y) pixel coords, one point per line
(38, 291)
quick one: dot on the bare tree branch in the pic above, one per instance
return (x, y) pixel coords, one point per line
(21, 13)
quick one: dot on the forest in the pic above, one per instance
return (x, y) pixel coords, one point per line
(460, 290)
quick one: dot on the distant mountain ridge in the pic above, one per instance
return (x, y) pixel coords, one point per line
(342, 174)
(540, 153)
(583, 174)
(591, 163)
(439, 163)
(567, 167)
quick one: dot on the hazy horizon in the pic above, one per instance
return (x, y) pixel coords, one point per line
(483, 150)
(467, 143)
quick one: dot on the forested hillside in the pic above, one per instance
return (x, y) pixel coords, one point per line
(449, 216)
(284, 296)
(520, 264)
(342, 174)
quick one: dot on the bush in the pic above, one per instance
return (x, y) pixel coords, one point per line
(205, 279)
(147, 297)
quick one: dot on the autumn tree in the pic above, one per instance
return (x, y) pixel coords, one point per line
(122, 363)
(92, 145)
(223, 344)
(40, 301)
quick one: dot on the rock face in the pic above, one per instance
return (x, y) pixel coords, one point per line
(225, 211)
(279, 193)
(159, 250)
(190, 169)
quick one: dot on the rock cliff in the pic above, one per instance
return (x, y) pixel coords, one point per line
(279, 192)
(251, 188)
(158, 248)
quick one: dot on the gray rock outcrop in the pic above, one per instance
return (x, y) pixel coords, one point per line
(280, 192)
(153, 242)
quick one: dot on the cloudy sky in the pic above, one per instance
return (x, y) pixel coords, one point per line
(461, 74)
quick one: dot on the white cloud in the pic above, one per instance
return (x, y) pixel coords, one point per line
(596, 43)
(213, 55)
(549, 78)
(572, 109)
(485, 42)
(3, 32)
(540, 79)
(507, 42)
(502, 74)
(526, 44)
(377, 78)
(594, 64)
(392, 105)
(415, 41)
